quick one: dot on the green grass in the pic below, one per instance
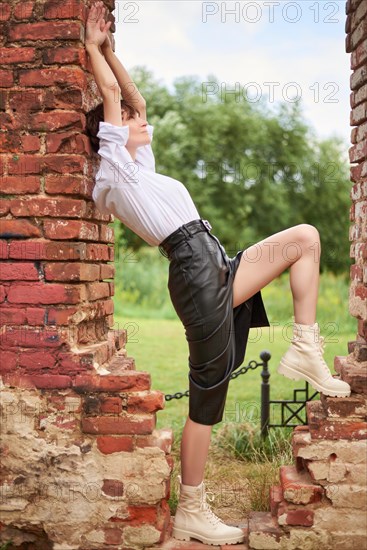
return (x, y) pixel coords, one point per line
(241, 466)
(160, 348)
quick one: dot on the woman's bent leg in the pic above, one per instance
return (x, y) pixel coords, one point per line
(297, 247)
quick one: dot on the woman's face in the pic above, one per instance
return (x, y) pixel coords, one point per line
(138, 133)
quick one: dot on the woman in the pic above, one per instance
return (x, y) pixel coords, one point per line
(217, 298)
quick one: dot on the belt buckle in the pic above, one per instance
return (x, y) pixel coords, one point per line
(206, 224)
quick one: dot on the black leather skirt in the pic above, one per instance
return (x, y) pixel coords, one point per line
(200, 285)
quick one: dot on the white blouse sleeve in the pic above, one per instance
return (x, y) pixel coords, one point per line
(112, 141)
(112, 145)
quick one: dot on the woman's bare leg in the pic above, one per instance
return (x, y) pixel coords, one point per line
(194, 451)
(297, 247)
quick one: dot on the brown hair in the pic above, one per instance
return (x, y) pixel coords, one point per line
(96, 115)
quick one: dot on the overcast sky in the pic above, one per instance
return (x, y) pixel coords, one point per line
(299, 47)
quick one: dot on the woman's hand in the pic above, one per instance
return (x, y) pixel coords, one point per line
(96, 27)
(107, 44)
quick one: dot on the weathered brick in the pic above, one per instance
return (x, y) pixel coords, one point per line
(17, 55)
(129, 380)
(57, 121)
(23, 10)
(6, 78)
(109, 444)
(347, 496)
(48, 250)
(47, 381)
(355, 405)
(127, 424)
(112, 405)
(298, 487)
(65, 55)
(3, 250)
(15, 229)
(75, 271)
(151, 401)
(19, 186)
(264, 531)
(332, 518)
(12, 316)
(113, 535)
(41, 293)
(70, 229)
(162, 439)
(276, 497)
(35, 361)
(353, 373)
(353, 452)
(11, 271)
(358, 114)
(2, 293)
(299, 516)
(32, 337)
(8, 361)
(359, 55)
(4, 11)
(68, 10)
(68, 30)
(4, 207)
(113, 487)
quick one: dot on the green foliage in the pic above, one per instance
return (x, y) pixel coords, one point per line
(244, 441)
(251, 172)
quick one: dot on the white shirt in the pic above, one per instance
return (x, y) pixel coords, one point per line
(150, 204)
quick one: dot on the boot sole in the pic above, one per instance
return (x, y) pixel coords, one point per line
(288, 372)
(181, 534)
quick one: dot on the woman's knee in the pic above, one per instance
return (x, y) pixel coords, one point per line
(308, 237)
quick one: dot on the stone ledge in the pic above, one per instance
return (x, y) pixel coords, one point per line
(322, 428)
(353, 373)
(336, 408)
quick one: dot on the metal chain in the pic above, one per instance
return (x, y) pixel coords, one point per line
(251, 366)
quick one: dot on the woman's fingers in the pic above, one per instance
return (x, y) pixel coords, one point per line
(95, 16)
(97, 26)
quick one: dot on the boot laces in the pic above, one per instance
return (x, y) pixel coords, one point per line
(205, 507)
(321, 350)
(320, 346)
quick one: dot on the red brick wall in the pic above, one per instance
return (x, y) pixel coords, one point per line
(356, 45)
(77, 420)
(57, 279)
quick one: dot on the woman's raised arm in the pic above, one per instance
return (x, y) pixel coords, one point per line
(96, 33)
(129, 90)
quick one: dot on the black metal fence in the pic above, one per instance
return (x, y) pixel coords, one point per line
(291, 409)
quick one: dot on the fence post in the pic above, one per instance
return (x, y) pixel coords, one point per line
(265, 393)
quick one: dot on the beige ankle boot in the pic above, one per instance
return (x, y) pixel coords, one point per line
(194, 518)
(304, 361)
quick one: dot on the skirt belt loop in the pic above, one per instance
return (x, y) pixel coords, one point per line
(186, 231)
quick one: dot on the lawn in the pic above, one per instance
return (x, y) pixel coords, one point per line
(159, 347)
(241, 466)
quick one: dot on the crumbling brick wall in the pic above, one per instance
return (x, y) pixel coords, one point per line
(321, 501)
(82, 463)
